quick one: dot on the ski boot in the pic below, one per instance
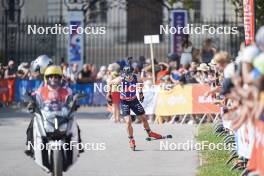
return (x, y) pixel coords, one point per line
(152, 134)
(132, 144)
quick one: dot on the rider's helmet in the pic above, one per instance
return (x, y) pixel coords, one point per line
(40, 64)
(53, 76)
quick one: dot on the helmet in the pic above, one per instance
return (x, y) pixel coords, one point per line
(128, 70)
(52, 70)
(40, 64)
(259, 37)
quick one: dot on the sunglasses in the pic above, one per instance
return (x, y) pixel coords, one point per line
(54, 76)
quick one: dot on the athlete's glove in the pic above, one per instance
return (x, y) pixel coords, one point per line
(141, 97)
(109, 99)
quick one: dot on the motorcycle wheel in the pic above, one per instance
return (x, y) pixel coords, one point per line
(57, 163)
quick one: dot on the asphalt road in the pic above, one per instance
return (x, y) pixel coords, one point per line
(117, 158)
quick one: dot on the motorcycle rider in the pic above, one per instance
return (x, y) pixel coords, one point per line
(42, 64)
(37, 68)
(52, 90)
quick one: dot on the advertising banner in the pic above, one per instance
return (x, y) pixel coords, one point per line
(245, 140)
(178, 20)
(249, 21)
(175, 101)
(186, 99)
(76, 38)
(201, 104)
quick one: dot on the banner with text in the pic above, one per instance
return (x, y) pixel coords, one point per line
(249, 21)
(186, 99)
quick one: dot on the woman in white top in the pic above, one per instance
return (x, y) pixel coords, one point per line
(186, 56)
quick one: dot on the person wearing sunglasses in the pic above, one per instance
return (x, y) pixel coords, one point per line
(53, 93)
(129, 101)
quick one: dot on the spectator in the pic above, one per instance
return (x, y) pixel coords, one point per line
(101, 75)
(74, 73)
(202, 76)
(65, 69)
(114, 93)
(190, 76)
(141, 63)
(208, 51)
(23, 71)
(196, 55)
(10, 72)
(70, 73)
(136, 69)
(222, 59)
(174, 75)
(164, 71)
(85, 75)
(2, 71)
(186, 56)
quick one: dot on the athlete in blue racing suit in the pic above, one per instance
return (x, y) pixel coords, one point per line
(129, 101)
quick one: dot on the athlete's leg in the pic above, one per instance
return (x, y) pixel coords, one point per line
(132, 142)
(125, 107)
(144, 121)
(129, 125)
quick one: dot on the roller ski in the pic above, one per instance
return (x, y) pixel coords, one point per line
(154, 136)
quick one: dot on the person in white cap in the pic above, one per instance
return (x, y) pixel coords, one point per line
(10, 72)
(247, 58)
(260, 38)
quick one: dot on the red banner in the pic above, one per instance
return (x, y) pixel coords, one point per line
(249, 21)
(201, 104)
(7, 90)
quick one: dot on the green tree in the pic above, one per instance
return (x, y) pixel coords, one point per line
(259, 4)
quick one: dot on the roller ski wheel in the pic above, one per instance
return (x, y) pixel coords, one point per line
(162, 137)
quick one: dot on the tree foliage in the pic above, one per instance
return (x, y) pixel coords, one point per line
(259, 4)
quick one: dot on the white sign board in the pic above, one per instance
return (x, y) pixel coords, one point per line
(151, 39)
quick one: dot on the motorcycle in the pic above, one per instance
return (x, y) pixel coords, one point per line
(55, 134)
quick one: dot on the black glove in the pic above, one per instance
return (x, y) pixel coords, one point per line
(141, 97)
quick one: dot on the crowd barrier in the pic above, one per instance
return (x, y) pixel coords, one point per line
(249, 144)
(14, 90)
(188, 99)
(256, 162)
(180, 100)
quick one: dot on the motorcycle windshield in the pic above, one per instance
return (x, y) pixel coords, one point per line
(53, 109)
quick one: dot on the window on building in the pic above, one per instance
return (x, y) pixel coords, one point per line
(98, 12)
(144, 18)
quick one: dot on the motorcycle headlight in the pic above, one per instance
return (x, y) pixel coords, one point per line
(49, 127)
